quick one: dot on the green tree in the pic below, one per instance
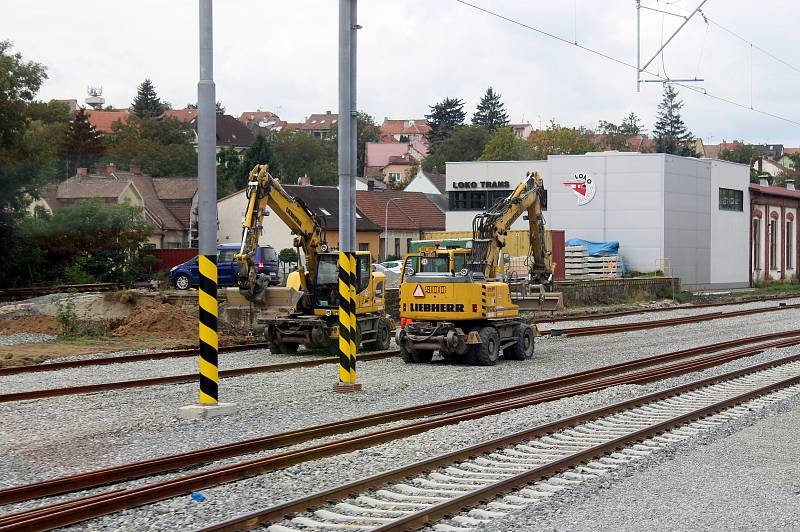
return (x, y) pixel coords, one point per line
(82, 145)
(743, 154)
(616, 136)
(444, 118)
(670, 132)
(298, 154)
(631, 125)
(88, 241)
(52, 112)
(465, 143)
(491, 112)
(259, 152)
(558, 140)
(161, 146)
(26, 158)
(147, 103)
(504, 145)
(230, 172)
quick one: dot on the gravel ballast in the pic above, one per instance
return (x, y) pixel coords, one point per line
(51, 437)
(25, 338)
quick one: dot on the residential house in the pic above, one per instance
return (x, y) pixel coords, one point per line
(319, 125)
(402, 217)
(322, 201)
(786, 160)
(522, 131)
(393, 161)
(169, 203)
(230, 133)
(103, 121)
(768, 166)
(414, 129)
(433, 185)
(184, 115)
(262, 121)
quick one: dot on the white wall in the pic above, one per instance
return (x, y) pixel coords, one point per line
(421, 183)
(730, 230)
(511, 171)
(230, 212)
(627, 205)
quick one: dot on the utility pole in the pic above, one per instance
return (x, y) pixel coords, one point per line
(209, 404)
(347, 197)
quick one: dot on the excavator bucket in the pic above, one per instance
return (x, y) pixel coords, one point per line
(548, 301)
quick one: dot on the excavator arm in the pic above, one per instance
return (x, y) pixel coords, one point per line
(265, 192)
(490, 230)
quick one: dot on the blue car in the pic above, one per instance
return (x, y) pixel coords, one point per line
(186, 275)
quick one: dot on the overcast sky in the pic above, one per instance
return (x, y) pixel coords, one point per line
(281, 56)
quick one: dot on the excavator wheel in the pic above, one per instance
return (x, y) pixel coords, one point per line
(383, 335)
(486, 352)
(523, 349)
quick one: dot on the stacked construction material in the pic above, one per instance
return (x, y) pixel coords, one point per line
(576, 261)
(604, 267)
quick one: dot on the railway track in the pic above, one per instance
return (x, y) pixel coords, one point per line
(630, 312)
(527, 467)
(182, 379)
(653, 324)
(100, 361)
(434, 415)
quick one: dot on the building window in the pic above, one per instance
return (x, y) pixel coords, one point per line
(458, 201)
(756, 244)
(773, 245)
(408, 244)
(363, 246)
(397, 247)
(394, 176)
(382, 248)
(789, 236)
(731, 200)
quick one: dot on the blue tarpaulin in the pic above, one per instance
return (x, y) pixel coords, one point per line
(599, 249)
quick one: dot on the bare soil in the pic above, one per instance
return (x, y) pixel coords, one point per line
(152, 324)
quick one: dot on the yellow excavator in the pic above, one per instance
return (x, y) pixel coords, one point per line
(311, 297)
(458, 301)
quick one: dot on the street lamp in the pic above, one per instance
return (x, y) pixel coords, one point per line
(386, 228)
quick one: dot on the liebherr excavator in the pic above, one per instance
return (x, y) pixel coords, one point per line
(458, 301)
(313, 322)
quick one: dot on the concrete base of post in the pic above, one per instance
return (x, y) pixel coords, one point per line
(207, 411)
(346, 387)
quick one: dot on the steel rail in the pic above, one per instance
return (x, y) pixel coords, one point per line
(196, 457)
(181, 379)
(100, 361)
(280, 511)
(178, 486)
(629, 312)
(653, 324)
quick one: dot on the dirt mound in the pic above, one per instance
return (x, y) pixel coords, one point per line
(30, 324)
(156, 319)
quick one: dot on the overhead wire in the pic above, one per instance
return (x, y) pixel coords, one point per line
(627, 64)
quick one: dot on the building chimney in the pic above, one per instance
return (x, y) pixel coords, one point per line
(371, 184)
(763, 181)
(82, 172)
(790, 184)
(327, 112)
(110, 169)
(136, 169)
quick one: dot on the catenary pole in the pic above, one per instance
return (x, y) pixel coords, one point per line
(347, 169)
(207, 225)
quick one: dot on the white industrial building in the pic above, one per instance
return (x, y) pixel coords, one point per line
(667, 212)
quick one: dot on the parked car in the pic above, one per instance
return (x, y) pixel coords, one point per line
(187, 275)
(393, 266)
(392, 278)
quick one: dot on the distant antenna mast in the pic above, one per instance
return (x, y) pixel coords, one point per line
(95, 99)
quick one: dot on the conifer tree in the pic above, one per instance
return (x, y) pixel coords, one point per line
(670, 133)
(147, 103)
(82, 144)
(491, 112)
(445, 116)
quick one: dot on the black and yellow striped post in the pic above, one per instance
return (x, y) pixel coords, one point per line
(209, 342)
(348, 324)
